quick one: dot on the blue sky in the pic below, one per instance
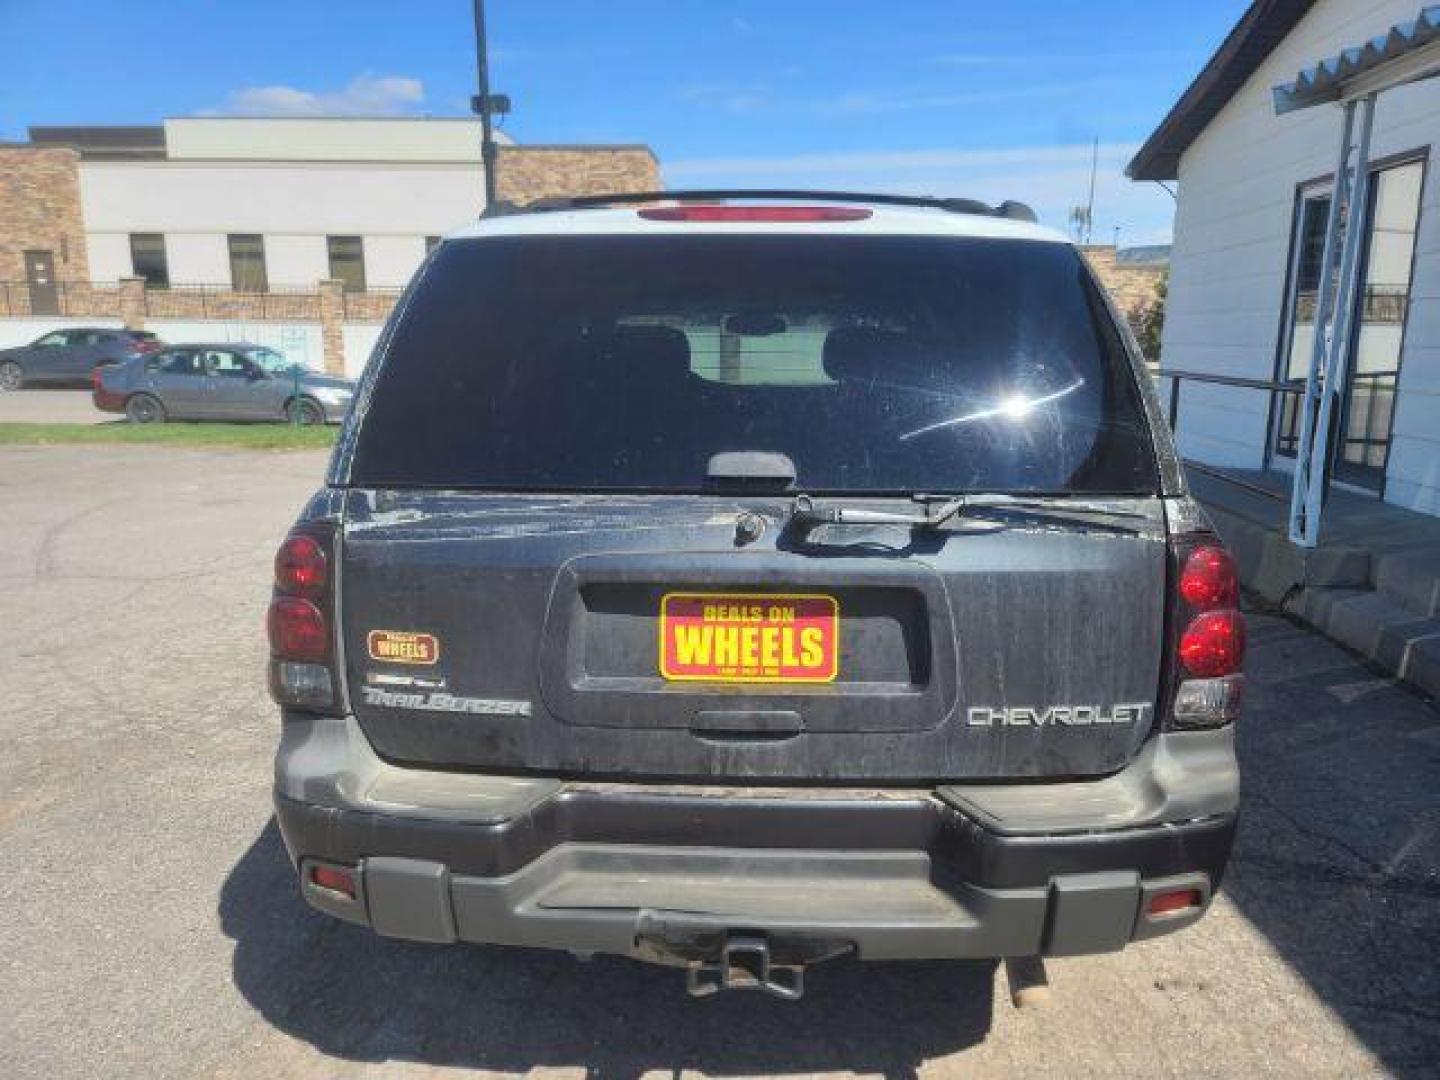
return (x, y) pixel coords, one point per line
(995, 100)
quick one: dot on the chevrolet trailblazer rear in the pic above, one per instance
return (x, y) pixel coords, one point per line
(743, 583)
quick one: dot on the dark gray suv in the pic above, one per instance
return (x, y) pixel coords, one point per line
(740, 584)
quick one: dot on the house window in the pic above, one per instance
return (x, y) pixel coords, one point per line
(147, 259)
(1391, 219)
(347, 261)
(247, 263)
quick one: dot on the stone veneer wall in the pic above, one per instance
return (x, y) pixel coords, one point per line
(40, 210)
(527, 173)
(1133, 288)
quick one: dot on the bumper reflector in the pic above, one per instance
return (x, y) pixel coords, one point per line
(335, 878)
(1168, 903)
(1208, 703)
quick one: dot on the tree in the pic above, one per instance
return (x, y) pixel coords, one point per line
(1149, 321)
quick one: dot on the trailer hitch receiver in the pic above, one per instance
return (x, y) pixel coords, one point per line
(744, 964)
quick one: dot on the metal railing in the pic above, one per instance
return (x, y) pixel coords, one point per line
(1177, 378)
(222, 302)
(1355, 438)
(91, 300)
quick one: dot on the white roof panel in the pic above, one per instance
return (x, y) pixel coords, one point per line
(883, 221)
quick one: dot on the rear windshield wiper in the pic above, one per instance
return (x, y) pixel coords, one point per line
(934, 512)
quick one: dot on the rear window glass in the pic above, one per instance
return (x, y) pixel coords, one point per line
(876, 364)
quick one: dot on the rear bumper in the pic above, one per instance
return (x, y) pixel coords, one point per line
(669, 874)
(107, 400)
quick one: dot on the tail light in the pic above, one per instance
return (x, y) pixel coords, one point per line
(297, 630)
(301, 568)
(301, 622)
(1207, 635)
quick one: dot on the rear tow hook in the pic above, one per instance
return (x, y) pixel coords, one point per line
(745, 965)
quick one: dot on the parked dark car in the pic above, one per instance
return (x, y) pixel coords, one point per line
(68, 357)
(229, 381)
(740, 584)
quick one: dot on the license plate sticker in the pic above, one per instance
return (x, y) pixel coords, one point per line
(748, 637)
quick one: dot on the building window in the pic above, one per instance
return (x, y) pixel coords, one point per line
(147, 259)
(247, 263)
(347, 261)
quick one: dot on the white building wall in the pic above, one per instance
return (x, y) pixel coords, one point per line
(298, 341)
(109, 256)
(390, 260)
(359, 341)
(198, 258)
(325, 139)
(296, 260)
(293, 205)
(278, 197)
(1232, 246)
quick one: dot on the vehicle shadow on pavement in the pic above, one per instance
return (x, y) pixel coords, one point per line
(1337, 860)
(355, 995)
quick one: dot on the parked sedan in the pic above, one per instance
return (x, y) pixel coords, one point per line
(233, 381)
(67, 357)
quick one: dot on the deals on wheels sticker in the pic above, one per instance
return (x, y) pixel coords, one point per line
(402, 647)
(764, 638)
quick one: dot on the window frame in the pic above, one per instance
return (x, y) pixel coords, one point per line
(263, 275)
(354, 283)
(153, 279)
(1324, 185)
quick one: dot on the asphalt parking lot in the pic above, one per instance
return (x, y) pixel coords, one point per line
(151, 926)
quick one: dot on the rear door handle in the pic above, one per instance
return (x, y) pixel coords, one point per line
(742, 724)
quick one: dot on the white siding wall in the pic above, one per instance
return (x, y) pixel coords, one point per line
(1232, 244)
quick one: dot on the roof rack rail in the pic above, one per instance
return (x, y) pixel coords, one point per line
(1016, 211)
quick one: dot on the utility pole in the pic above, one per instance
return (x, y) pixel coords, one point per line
(482, 104)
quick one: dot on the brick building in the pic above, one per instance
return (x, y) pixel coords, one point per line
(252, 204)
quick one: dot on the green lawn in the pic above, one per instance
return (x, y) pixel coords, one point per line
(245, 436)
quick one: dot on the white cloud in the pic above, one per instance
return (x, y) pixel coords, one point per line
(364, 95)
(863, 103)
(735, 98)
(1051, 179)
